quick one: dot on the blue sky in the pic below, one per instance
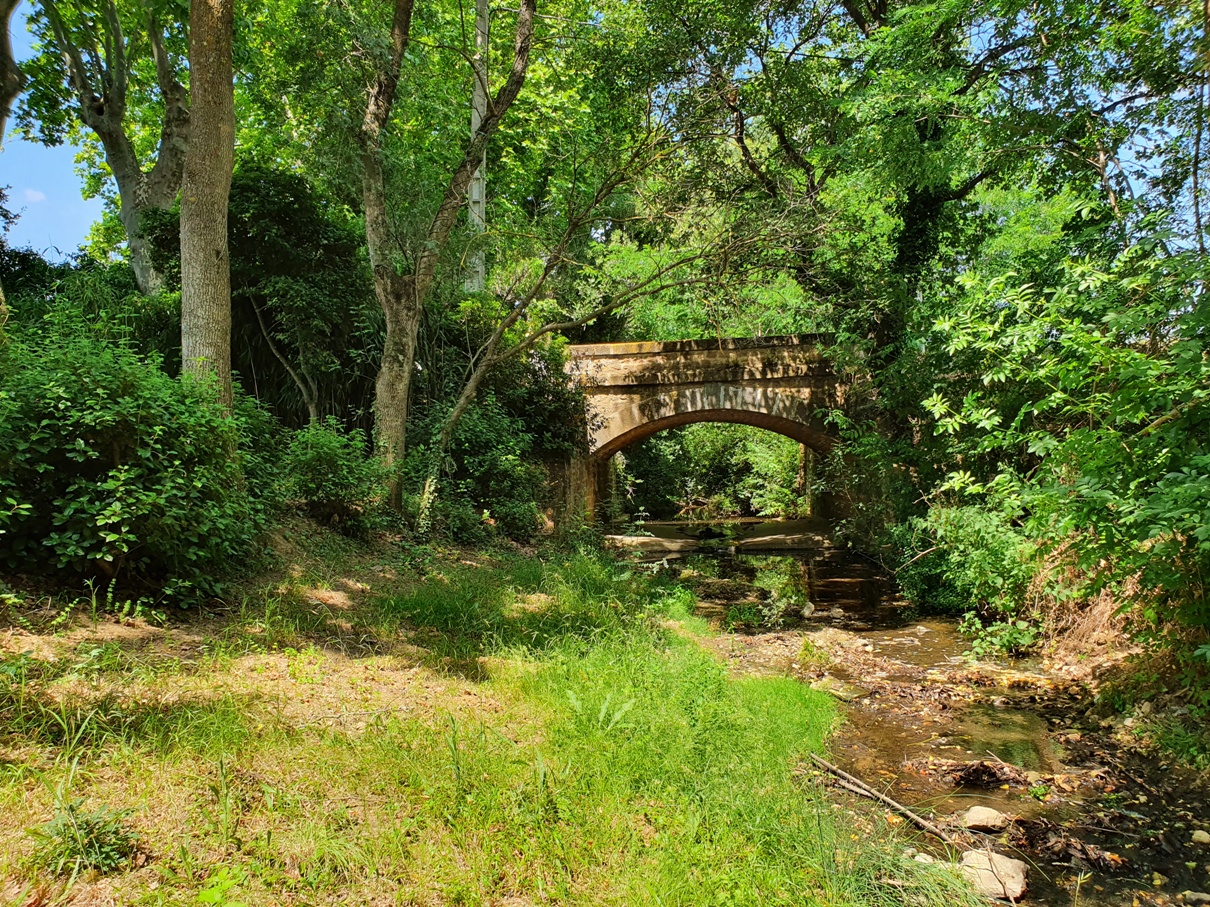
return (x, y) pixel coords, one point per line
(44, 189)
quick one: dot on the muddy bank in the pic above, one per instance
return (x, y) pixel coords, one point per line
(1093, 817)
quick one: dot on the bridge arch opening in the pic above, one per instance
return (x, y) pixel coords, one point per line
(746, 478)
(786, 414)
(812, 436)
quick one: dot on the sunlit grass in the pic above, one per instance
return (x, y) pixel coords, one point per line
(509, 734)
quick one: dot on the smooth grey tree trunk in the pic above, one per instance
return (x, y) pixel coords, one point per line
(402, 296)
(206, 184)
(11, 81)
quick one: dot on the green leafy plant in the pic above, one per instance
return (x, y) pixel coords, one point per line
(76, 839)
(118, 472)
(328, 469)
(219, 885)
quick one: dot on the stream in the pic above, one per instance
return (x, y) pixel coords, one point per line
(1098, 822)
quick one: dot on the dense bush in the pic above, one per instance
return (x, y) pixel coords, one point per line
(112, 470)
(493, 483)
(973, 561)
(301, 294)
(328, 469)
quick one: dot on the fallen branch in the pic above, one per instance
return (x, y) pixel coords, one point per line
(857, 786)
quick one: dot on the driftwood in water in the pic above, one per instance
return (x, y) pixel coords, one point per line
(857, 786)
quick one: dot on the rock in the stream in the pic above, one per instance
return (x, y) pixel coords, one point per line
(1196, 897)
(1201, 837)
(845, 692)
(985, 819)
(995, 875)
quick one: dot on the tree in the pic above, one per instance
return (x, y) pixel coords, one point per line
(402, 295)
(11, 80)
(205, 268)
(11, 77)
(117, 72)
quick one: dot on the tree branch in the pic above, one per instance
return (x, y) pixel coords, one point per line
(447, 212)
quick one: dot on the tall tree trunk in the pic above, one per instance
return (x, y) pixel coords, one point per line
(402, 296)
(476, 280)
(11, 81)
(11, 78)
(392, 289)
(205, 271)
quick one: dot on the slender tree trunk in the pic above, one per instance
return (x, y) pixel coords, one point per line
(402, 296)
(205, 271)
(393, 290)
(11, 80)
(476, 280)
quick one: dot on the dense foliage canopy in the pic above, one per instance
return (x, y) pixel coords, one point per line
(992, 210)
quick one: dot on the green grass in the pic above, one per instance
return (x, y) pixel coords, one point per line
(560, 737)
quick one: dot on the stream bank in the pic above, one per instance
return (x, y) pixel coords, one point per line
(1098, 821)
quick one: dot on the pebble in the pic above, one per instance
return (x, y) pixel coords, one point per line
(1201, 837)
(1196, 897)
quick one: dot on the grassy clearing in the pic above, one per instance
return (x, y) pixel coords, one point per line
(504, 733)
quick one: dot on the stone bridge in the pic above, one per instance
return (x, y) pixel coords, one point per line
(637, 389)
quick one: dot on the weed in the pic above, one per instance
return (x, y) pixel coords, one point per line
(305, 666)
(219, 885)
(225, 816)
(76, 839)
(811, 654)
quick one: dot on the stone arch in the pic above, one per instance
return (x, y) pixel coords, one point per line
(789, 415)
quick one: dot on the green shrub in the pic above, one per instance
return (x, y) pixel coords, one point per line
(329, 471)
(112, 470)
(972, 560)
(492, 483)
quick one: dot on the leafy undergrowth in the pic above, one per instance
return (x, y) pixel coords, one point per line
(503, 731)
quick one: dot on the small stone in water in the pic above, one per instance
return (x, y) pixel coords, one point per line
(1201, 837)
(845, 692)
(985, 819)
